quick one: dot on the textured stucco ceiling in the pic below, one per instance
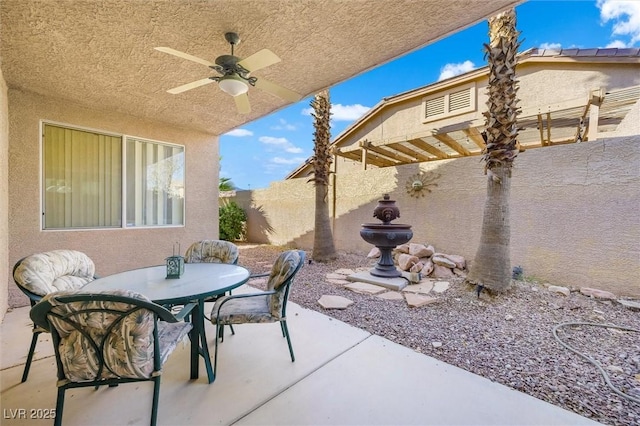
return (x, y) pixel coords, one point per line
(101, 53)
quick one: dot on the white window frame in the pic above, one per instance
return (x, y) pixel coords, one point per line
(471, 87)
(123, 212)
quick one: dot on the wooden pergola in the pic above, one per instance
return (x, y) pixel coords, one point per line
(568, 122)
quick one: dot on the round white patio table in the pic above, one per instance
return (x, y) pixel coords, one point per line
(200, 281)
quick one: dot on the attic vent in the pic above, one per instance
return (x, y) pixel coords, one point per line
(434, 107)
(459, 100)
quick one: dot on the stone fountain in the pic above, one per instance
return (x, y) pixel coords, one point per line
(386, 236)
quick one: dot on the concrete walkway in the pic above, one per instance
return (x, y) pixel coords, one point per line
(342, 376)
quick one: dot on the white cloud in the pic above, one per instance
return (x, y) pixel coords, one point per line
(239, 133)
(287, 161)
(283, 125)
(451, 70)
(341, 112)
(552, 46)
(617, 11)
(281, 143)
(619, 44)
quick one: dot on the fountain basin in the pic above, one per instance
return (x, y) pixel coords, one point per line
(390, 235)
(386, 237)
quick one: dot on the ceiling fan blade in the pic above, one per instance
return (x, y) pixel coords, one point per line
(279, 91)
(242, 103)
(183, 55)
(190, 86)
(259, 60)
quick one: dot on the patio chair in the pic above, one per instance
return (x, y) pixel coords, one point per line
(44, 273)
(263, 307)
(109, 338)
(212, 251)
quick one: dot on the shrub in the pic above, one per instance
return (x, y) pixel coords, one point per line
(232, 221)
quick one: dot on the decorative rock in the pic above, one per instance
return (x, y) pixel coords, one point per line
(630, 304)
(460, 272)
(559, 289)
(334, 302)
(403, 248)
(406, 261)
(424, 287)
(374, 253)
(364, 288)
(419, 250)
(460, 261)
(418, 300)
(436, 344)
(615, 369)
(427, 268)
(417, 267)
(344, 271)
(443, 261)
(391, 295)
(598, 294)
(430, 249)
(441, 286)
(441, 272)
(508, 317)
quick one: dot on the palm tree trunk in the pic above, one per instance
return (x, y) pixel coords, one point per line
(491, 268)
(323, 246)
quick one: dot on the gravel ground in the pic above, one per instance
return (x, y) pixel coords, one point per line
(508, 339)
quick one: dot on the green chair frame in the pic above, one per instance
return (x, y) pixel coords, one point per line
(281, 317)
(40, 315)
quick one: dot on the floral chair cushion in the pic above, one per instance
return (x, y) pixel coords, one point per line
(122, 332)
(245, 310)
(259, 308)
(57, 270)
(282, 270)
(212, 251)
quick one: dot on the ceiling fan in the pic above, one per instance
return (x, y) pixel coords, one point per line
(235, 74)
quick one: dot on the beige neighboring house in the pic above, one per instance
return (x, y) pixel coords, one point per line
(576, 182)
(77, 74)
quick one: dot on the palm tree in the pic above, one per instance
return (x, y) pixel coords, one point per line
(323, 247)
(225, 184)
(492, 266)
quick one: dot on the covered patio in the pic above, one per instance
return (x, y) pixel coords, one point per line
(342, 375)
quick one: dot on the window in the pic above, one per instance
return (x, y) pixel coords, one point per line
(84, 175)
(457, 101)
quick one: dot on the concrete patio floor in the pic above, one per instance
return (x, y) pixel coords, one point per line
(342, 376)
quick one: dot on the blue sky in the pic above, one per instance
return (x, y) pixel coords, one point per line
(268, 149)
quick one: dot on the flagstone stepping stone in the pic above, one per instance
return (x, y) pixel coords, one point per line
(418, 300)
(441, 286)
(365, 288)
(391, 295)
(424, 287)
(344, 271)
(334, 302)
(338, 282)
(334, 276)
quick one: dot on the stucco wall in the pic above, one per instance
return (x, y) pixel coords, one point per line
(4, 196)
(574, 211)
(112, 250)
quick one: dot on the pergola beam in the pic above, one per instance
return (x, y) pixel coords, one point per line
(421, 144)
(452, 143)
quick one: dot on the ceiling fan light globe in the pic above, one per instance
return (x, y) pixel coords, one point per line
(233, 85)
